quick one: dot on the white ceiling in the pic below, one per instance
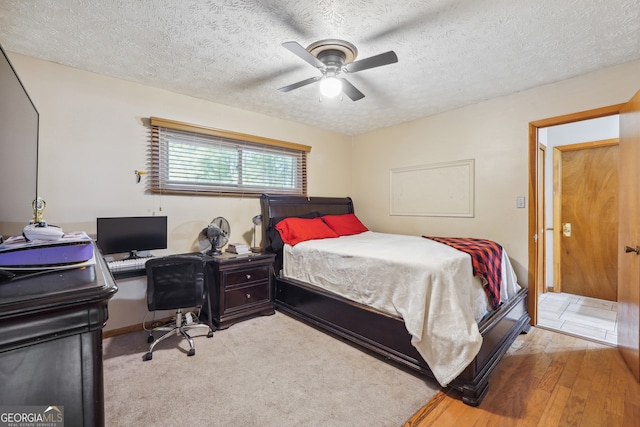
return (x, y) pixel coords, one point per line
(451, 52)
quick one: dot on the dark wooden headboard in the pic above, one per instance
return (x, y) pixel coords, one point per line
(279, 206)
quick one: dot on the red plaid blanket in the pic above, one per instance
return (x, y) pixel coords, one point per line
(486, 260)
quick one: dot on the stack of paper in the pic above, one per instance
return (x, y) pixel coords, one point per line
(238, 248)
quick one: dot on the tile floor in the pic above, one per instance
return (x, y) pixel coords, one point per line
(576, 315)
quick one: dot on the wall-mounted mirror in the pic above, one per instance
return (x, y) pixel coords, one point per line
(19, 120)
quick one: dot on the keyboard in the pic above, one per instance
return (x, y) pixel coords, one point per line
(130, 264)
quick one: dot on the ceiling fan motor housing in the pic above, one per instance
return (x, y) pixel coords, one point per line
(333, 52)
(333, 59)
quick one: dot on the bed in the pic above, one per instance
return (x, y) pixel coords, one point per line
(387, 329)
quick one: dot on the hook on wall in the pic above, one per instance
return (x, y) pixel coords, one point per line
(139, 175)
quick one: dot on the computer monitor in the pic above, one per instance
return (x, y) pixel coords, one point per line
(131, 234)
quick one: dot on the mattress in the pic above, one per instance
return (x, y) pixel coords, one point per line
(428, 284)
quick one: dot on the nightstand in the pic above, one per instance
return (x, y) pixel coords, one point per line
(240, 287)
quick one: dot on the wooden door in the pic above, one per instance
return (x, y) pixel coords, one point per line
(586, 220)
(629, 236)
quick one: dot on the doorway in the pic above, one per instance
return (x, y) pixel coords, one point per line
(570, 313)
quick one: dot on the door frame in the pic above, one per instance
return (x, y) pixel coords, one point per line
(535, 261)
(541, 209)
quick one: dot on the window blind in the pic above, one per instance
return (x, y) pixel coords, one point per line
(187, 162)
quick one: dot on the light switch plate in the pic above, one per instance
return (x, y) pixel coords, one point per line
(520, 202)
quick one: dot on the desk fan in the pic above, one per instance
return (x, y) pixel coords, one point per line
(215, 236)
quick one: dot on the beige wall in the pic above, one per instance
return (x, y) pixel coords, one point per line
(495, 134)
(94, 134)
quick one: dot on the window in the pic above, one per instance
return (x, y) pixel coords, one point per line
(198, 160)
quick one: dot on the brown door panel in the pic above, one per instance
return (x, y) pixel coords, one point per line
(629, 236)
(589, 221)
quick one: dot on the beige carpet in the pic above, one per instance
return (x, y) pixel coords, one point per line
(266, 371)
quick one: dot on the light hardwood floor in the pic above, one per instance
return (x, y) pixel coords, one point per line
(546, 379)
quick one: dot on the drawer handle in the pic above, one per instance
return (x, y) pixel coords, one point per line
(248, 277)
(248, 295)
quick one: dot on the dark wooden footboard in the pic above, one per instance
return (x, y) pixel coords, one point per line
(388, 337)
(498, 332)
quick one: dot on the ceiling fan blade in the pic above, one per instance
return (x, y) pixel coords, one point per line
(284, 16)
(268, 77)
(303, 53)
(373, 61)
(299, 84)
(350, 90)
(417, 20)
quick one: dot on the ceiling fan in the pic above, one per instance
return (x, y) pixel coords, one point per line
(335, 58)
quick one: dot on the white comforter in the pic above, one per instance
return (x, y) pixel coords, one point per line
(429, 284)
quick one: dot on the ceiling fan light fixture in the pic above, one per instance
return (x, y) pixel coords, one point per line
(330, 87)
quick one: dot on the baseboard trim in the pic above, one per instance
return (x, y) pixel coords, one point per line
(132, 328)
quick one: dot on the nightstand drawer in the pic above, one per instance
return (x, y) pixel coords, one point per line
(240, 277)
(241, 297)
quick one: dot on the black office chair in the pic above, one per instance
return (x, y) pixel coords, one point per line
(177, 282)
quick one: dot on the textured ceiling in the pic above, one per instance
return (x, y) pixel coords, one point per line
(451, 52)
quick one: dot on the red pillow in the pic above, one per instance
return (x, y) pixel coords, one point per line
(296, 230)
(345, 225)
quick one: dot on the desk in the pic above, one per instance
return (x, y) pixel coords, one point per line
(51, 341)
(234, 296)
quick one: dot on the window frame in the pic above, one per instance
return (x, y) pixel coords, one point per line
(159, 182)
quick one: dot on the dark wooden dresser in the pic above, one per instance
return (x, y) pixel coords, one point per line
(51, 341)
(240, 287)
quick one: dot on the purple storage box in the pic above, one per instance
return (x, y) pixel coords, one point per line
(73, 248)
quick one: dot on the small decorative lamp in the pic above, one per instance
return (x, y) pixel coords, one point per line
(257, 220)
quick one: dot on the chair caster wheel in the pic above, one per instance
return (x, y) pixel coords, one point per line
(210, 334)
(191, 352)
(147, 356)
(150, 339)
